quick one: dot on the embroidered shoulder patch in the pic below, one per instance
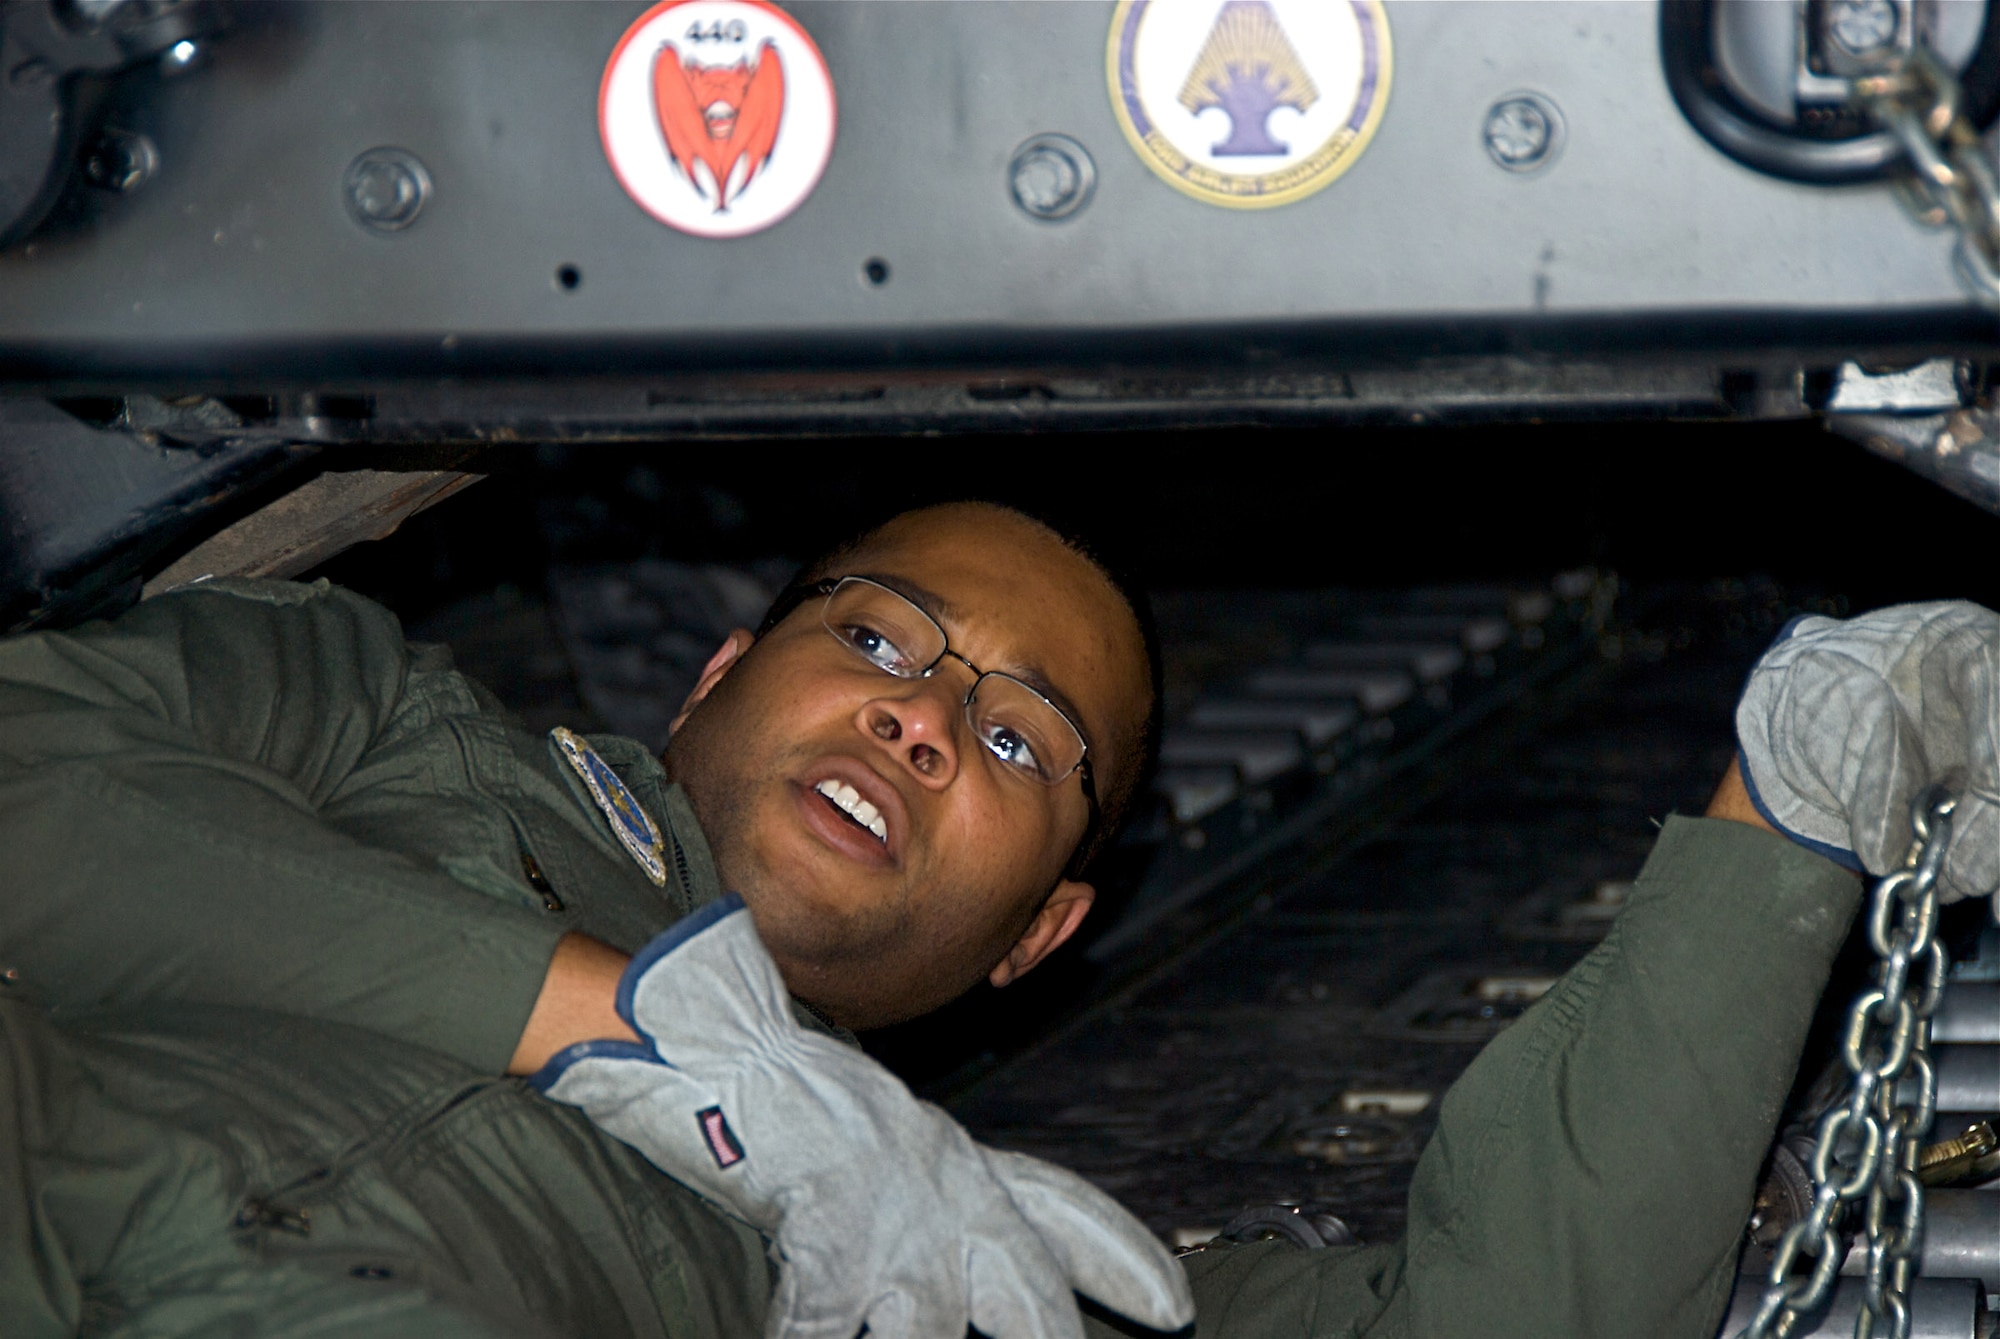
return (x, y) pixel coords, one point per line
(632, 826)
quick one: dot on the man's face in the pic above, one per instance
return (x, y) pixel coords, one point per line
(875, 931)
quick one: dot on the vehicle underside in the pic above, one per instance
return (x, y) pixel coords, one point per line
(1469, 465)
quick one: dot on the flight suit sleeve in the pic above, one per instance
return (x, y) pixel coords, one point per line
(160, 782)
(1593, 1169)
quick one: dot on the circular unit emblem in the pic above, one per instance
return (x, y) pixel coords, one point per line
(717, 115)
(1249, 103)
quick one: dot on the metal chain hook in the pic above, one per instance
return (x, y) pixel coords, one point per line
(1869, 1143)
(1919, 102)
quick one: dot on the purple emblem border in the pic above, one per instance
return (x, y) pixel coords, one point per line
(1128, 81)
(1371, 64)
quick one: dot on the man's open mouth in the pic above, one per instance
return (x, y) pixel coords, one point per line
(858, 811)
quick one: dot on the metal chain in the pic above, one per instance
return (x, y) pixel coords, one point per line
(1868, 1145)
(1919, 102)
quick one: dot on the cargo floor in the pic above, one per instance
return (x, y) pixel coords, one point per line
(1218, 1082)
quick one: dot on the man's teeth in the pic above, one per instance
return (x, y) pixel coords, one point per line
(850, 801)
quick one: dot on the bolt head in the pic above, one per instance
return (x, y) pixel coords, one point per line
(121, 160)
(1051, 177)
(386, 189)
(1523, 132)
(1861, 27)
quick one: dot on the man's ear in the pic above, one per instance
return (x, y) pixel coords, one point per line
(732, 649)
(1053, 924)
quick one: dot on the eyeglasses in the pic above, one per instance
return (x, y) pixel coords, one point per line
(1030, 735)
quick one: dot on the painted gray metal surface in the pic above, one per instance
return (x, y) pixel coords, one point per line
(244, 237)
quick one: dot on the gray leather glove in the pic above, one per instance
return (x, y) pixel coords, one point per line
(881, 1209)
(1843, 724)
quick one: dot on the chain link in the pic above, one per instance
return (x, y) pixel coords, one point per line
(1952, 180)
(1868, 1143)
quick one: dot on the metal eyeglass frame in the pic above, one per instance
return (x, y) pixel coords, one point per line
(791, 599)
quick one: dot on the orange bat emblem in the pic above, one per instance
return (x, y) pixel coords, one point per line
(722, 116)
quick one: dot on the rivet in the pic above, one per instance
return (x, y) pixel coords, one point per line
(386, 188)
(121, 160)
(1523, 132)
(1051, 177)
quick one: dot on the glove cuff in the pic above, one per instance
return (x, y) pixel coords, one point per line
(669, 939)
(1839, 855)
(645, 1049)
(550, 1074)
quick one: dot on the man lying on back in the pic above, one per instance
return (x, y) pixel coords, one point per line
(288, 897)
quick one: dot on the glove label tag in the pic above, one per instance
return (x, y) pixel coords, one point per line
(721, 1139)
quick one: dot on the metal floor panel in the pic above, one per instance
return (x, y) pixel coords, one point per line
(1190, 1098)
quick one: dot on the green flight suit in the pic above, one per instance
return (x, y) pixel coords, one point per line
(281, 895)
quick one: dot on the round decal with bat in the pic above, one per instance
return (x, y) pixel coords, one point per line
(1248, 103)
(717, 115)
